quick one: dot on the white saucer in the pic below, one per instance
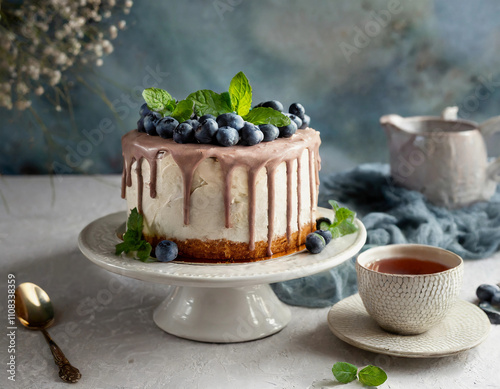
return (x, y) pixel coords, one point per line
(465, 327)
(220, 302)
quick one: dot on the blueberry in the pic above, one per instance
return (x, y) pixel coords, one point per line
(205, 117)
(274, 104)
(485, 292)
(144, 109)
(492, 312)
(297, 110)
(305, 122)
(495, 299)
(323, 223)
(184, 133)
(230, 120)
(315, 243)
(251, 134)
(227, 136)
(270, 132)
(140, 125)
(166, 126)
(326, 234)
(150, 121)
(288, 131)
(166, 251)
(206, 131)
(295, 118)
(194, 123)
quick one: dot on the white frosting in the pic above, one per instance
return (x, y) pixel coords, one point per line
(164, 215)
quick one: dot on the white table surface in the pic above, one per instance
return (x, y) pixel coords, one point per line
(104, 321)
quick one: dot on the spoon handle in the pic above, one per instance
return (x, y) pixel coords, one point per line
(67, 372)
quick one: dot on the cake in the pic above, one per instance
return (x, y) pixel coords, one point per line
(251, 200)
(223, 204)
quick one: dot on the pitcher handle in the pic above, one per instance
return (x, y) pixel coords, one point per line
(488, 128)
(494, 170)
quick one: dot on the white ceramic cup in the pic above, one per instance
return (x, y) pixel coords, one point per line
(409, 304)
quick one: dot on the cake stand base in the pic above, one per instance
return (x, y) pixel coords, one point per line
(222, 315)
(219, 303)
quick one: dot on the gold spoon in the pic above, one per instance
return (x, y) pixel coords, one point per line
(34, 310)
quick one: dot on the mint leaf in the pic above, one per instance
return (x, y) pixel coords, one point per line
(344, 372)
(143, 250)
(132, 239)
(123, 247)
(226, 97)
(264, 115)
(158, 100)
(241, 94)
(208, 102)
(372, 376)
(183, 110)
(343, 224)
(134, 221)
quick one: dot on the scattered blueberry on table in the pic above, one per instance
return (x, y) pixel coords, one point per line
(489, 301)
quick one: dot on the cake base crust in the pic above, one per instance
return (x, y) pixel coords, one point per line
(225, 251)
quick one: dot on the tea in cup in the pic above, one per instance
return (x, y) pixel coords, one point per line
(408, 288)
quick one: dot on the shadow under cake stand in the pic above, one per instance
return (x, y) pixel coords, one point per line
(221, 303)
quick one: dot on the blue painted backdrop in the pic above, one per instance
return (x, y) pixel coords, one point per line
(348, 63)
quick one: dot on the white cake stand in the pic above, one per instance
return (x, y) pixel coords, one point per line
(221, 303)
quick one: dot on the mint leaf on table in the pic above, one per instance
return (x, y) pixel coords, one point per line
(372, 376)
(264, 115)
(343, 223)
(132, 239)
(159, 100)
(183, 110)
(207, 101)
(344, 372)
(240, 93)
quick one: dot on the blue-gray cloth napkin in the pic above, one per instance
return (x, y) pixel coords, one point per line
(392, 214)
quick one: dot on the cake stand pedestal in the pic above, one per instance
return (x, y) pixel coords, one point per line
(221, 303)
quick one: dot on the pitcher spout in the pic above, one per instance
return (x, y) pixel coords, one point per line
(391, 123)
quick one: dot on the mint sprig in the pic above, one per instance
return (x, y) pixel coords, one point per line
(370, 375)
(343, 223)
(133, 241)
(205, 101)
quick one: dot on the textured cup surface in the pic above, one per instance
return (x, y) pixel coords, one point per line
(404, 303)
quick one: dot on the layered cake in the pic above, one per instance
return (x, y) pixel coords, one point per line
(245, 202)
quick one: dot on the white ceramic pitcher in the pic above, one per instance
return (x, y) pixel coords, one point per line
(443, 158)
